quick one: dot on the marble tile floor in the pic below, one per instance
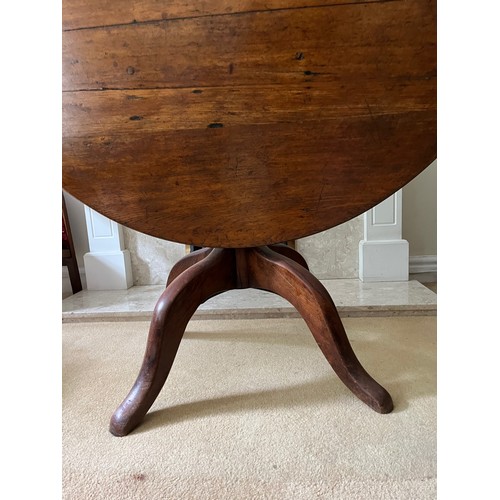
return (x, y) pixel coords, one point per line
(351, 296)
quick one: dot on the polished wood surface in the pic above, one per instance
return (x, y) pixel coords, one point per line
(79, 14)
(236, 124)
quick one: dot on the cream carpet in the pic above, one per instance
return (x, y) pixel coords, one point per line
(251, 410)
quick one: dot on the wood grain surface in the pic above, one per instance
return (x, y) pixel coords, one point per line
(236, 124)
(78, 14)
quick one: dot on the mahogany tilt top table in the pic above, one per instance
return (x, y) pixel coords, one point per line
(237, 125)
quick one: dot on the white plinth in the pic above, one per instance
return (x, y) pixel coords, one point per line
(107, 265)
(383, 254)
(108, 271)
(384, 260)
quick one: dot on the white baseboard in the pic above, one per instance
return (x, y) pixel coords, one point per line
(110, 270)
(383, 260)
(423, 264)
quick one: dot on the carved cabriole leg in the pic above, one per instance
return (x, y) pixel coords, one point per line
(272, 272)
(291, 253)
(209, 272)
(212, 275)
(186, 262)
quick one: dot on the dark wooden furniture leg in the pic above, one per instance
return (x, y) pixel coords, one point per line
(209, 272)
(69, 254)
(176, 305)
(275, 273)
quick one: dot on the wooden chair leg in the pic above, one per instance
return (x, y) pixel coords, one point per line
(74, 275)
(69, 254)
(208, 277)
(268, 270)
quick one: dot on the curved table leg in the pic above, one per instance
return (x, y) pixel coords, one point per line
(269, 271)
(291, 253)
(207, 278)
(186, 262)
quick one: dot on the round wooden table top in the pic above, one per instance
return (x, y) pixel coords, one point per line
(244, 123)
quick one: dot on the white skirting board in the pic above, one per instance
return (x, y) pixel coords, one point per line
(423, 264)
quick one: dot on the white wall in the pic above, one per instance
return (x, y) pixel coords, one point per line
(420, 213)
